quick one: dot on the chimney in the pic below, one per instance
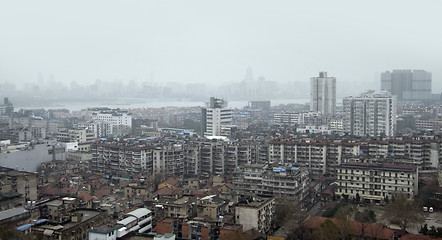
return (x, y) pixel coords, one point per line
(76, 217)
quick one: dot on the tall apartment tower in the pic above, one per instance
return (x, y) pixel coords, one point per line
(216, 118)
(407, 85)
(323, 94)
(370, 114)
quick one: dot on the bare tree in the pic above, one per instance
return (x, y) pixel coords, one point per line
(327, 231)
(404, 212)
(286, 211)
(345, 218)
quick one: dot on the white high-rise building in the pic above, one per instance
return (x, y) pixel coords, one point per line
(370, 114)
(217, 118)
(323, 94)
(117, 122)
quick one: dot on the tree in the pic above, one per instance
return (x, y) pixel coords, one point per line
(357, 198)
(288, 214)
(424, 230)
(404, 212)
(286, 211)
(329, 212)
(327, 231)
(345, 217)
(432, 231)
(9, 232)
(367, 216)
(376, 230)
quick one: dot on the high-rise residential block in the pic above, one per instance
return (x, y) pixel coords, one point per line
(370, 114)
(216, 118)
(407, 85)
(323, 94)
(117, 122)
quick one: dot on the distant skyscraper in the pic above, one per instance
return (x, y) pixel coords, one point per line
(217, 118)
(407, 85)
(323, 94)
(7, 108)
(248, 84)
(370, 114)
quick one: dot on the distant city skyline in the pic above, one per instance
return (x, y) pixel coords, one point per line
(195, 42)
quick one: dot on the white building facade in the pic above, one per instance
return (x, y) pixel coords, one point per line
(118, 122)
(370, 114)
(257, 214)
(139, 221)
(217, 118)
(377, 181)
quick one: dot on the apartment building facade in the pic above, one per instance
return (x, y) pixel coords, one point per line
(216, 118)
(118, 122)
(257, 214)
(375, 181)
(21, 182)
(319, 157)
(370, 114)
(121, 157)
(75, 135)
(263, 180)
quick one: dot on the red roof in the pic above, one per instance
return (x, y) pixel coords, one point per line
(102, 192)
(229, 185)
(86, 197)
(124, 183)
(412, 236)
(172, 181)
(198, 193)
(370, 230)
(164, 191)
(68, 190)
(49, 191)
(328, 191)
(93, 177)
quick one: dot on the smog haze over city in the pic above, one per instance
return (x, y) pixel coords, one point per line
(220, 120)
(59, 46)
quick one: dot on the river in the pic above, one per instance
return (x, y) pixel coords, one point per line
(147, 103)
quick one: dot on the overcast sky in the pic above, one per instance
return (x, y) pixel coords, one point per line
(215, 41)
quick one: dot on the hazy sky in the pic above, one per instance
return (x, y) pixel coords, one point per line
(215, 41)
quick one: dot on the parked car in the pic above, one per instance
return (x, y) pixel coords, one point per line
(430, 209)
